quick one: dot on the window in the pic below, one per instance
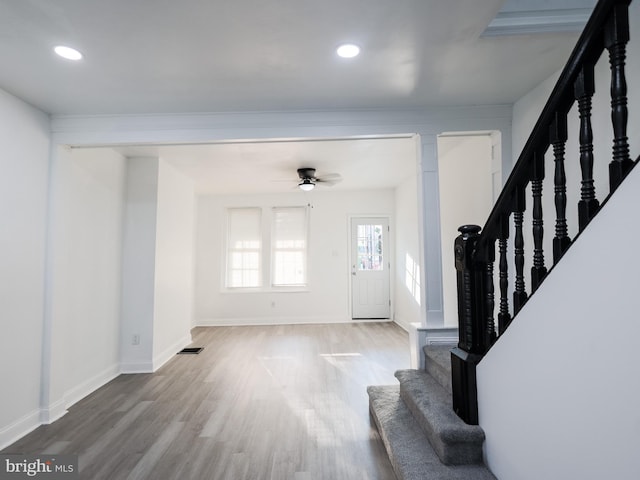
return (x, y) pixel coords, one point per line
(244, 247)
(289, 247)
(283, 230)
(370, 247)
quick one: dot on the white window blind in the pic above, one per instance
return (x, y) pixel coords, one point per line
(289, 247)
(244, 247)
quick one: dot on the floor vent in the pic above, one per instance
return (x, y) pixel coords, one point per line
(191, 350)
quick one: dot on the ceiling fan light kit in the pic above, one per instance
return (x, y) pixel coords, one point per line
(306, 185)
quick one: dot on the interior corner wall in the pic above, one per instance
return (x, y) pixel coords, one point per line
(329, 270)
(25, 140)
(174, 260)
(85, 270)
(157, 272)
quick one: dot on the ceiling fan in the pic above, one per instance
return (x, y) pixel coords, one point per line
(308, 179)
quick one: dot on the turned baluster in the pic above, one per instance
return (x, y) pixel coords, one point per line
(490, 296)
(503, 316)
(538, 270)
(616, 38)
(519, 294)
(584, 89)
(558, 138)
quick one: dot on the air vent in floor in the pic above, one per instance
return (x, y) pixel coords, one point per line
(191, 350)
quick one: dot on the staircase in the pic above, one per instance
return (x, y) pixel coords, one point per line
(423, 436)
(541, 373)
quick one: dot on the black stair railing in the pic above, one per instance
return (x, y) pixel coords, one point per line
(475, 249)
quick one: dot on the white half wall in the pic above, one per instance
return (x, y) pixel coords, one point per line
(24, 137)
(327, 297)
(557, 393)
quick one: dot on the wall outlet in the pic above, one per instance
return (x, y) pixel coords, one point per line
(135, 339)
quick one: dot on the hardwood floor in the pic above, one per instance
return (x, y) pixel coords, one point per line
(266, 402)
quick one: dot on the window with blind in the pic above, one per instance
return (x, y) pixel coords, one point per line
(283, 231)
(289, 247)
(244, 247)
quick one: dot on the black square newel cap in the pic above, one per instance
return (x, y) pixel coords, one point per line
(191, 350)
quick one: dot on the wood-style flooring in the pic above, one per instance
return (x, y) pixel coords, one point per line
(265, 402)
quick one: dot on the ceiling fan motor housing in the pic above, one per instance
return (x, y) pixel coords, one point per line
(307, 173)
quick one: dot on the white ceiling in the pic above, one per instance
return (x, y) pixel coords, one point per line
(163, 56)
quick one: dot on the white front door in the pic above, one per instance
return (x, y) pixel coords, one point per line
(370, 268)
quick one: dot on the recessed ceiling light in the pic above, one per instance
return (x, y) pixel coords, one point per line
(348, 50)
(68, 52)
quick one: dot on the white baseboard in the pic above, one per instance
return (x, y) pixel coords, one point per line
(439, 336)
(235, 322)
(136, 367)
(53, 412)
(18, 429)
(169, 352)
(404, 324)
(90, 385)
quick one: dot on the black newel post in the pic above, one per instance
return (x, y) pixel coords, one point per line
(471, 331)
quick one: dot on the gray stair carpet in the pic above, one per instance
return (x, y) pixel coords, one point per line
(408, 448)
(438, 363)
(455, 442)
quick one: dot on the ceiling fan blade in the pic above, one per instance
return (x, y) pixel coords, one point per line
(329, 179)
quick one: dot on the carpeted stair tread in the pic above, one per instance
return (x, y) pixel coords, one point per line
(455, 442)
(407, 446)
(438, 363)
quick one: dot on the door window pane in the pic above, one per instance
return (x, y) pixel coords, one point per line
(370, 247)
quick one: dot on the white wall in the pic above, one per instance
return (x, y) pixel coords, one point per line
(157, 281)
(407, 283)
(557, 393)
(466, 197)
(174, 252)
(85, 244)
(327, 298)
(138, 264)
(24, 136)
